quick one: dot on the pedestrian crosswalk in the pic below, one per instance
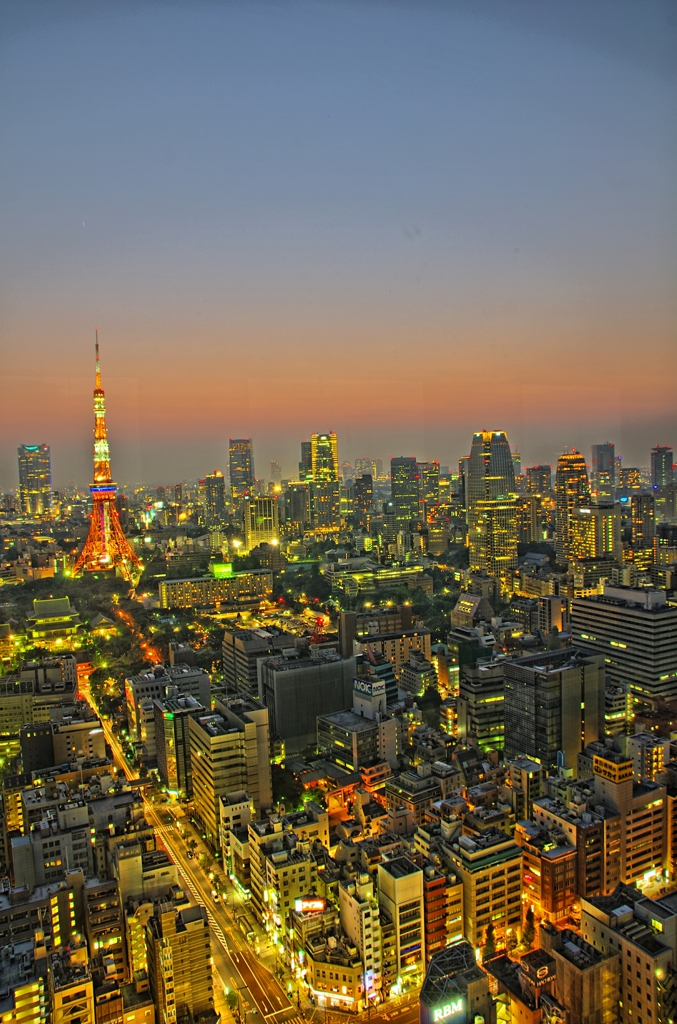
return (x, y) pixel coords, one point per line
(217, 930)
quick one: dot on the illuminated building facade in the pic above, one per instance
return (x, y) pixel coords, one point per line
(405, 488)
(572, 491)
(636, 633)
(490, 868)
(35, 479)
(241, 590)
(325, 507)
(493, 537)
(241, 460)
(429, 482)
(172, 741)
(400, 895)
(490, 470)
(324, 463)
(261, 523)
(106, 546)
(595, 532)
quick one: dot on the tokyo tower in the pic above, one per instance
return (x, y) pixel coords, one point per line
(106, 546)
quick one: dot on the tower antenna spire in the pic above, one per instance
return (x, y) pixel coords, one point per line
(98, 364)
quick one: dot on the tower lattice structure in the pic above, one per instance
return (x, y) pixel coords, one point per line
(106, 546)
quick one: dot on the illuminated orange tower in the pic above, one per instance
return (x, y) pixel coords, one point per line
(106, 546)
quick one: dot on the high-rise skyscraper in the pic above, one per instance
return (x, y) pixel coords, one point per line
(490, 470)
(661, 466)
(603, 470)
(595, 532)
(364, 499)
(35, 479)
(643, 521)
(493, 538)
(405, 488)
(261, 524)
(517, 462)
(106, 546)
(306, 463)
(215, 498)
(324, 464)
(429, 482)
(275, 471)
(241, 459)
(539, 479)
(572, 491)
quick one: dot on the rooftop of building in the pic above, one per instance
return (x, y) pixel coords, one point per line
(396, 634)
(547, 662)
(646, 599)
(260, 637)
(491, 843)
(179, 705)
(215, 725)
(400, 867)
(524, 764)
(349, 720)
(65, 967)
(508, 973)
(164, 674)
(336, 949)
(302, 660)
(17, 967)
(449, 973)
(135, 996)
(619, 908)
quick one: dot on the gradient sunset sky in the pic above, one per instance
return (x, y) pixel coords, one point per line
(403, 221)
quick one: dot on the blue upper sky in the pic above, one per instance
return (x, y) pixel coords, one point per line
(403, 221)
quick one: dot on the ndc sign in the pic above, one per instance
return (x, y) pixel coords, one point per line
(448, 1011)
(375, 689)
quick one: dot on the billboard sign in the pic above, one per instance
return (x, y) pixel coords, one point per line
(369, 688)
(310, 905)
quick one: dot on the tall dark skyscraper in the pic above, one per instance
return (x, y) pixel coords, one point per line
(603, 470)
(364, 499)
(661, 466)
(215, 499)
(572, 490)
(35, 479)
(539, 479)
(405, 488)
(306, 463)
(643, 521)
(241, 459)
(490, 470)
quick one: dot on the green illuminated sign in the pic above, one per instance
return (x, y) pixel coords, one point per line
(221, 569)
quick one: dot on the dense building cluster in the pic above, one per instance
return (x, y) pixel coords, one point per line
(482, 814)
